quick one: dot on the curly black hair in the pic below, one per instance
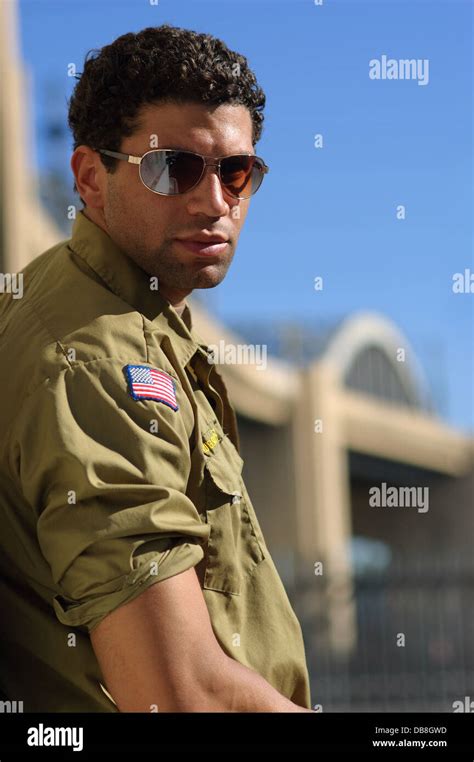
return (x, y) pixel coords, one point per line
(165, 64)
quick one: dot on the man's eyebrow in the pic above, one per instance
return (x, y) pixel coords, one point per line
(176, 148)
(190, 150)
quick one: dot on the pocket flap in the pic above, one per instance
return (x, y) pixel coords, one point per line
(225, 472)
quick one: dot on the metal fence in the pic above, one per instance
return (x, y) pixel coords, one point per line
(414, 639)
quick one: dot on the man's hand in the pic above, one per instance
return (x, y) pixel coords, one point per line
(160, 650)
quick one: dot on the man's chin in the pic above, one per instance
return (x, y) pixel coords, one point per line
(209, 277)
(201, 285)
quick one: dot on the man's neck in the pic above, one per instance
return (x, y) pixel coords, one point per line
(180, 307)
(175, 297)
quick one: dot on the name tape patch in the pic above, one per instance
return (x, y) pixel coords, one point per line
(146, 383)
(211, 439)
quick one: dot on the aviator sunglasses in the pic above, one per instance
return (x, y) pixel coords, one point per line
(171, 172)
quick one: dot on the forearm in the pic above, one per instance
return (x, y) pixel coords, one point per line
(159, 649)
(236, 688)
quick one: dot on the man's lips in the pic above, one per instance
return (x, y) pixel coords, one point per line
(204, 249)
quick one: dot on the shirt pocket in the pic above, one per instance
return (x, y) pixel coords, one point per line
(234, 549)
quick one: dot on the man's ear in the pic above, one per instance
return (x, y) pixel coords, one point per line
(89, 173)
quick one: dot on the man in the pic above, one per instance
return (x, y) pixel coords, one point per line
(133, 567)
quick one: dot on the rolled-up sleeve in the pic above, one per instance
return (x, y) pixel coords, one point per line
(107, 478)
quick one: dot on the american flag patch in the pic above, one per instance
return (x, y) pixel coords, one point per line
(151, 384)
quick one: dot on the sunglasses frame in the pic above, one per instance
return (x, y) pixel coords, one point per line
(131, 159)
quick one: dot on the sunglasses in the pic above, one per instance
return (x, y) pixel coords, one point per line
(170, 172)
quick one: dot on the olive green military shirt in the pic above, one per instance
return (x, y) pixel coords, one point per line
(105, 490)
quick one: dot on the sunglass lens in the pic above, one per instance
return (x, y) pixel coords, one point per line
(242, 175)
(170, 172)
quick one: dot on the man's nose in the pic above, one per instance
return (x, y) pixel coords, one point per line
(209, 194)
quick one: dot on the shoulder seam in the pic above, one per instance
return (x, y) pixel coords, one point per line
(30, 305)
(145, 339)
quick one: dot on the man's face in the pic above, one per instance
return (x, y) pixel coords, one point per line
(145, 224)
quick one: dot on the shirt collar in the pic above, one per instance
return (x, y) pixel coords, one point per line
(131, 283)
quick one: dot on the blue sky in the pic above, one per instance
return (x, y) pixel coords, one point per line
(327, 212)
